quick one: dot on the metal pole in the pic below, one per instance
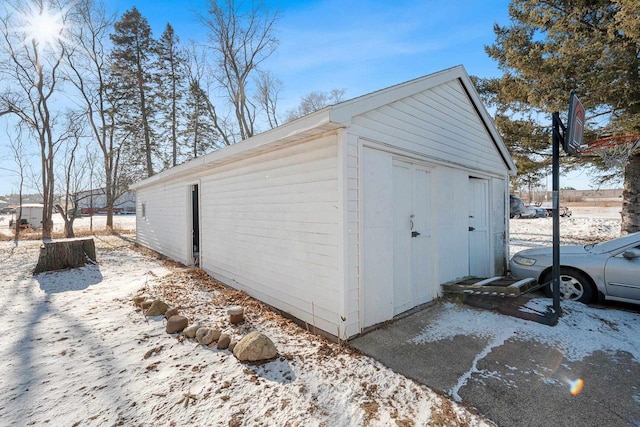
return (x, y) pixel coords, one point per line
(555, 272)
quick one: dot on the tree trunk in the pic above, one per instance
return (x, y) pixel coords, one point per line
(631, 196)
(68, 222)
(72, 253)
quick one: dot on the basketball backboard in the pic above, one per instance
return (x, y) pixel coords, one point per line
(575, 127)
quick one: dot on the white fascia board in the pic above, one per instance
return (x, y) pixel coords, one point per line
(488, 121)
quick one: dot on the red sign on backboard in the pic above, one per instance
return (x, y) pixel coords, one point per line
(575, 126)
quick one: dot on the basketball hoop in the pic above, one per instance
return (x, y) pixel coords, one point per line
(614, 151)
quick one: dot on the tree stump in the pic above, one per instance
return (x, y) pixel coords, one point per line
(68, 253)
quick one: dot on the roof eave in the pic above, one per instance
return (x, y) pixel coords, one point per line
(297, 130)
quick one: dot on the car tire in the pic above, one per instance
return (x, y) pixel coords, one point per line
(574, 285)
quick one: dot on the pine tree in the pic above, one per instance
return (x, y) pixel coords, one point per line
(131, 60)
(172, 83)
(200, 129)
(552, 47)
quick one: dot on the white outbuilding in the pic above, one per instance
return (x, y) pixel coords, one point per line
(351, 215)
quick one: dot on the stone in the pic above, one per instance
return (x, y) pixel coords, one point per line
(138, 299)
(224, 341)
(206, 336)
(146, 304)
(232, 345)
(200, 332)
(157, 308)
(236, 314)
(216, 334)
(176, 324)
(171, 311)
(190, 331)
(255, 347)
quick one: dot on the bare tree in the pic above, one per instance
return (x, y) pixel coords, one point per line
(269, 88)
(315, 101)
(89, 73)
(241, 39)
(32, 43)
(91, 164)
(202, 112)
(17, 150)
(72, 178)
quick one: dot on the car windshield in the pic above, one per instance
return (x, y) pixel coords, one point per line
(614, 244)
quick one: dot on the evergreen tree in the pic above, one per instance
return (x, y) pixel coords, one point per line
(200, 129)
(592, 47)
(172, 83)
(131, 60)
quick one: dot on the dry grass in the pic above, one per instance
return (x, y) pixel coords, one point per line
(31, 234)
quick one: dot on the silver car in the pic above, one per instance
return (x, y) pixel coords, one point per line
(608, 270)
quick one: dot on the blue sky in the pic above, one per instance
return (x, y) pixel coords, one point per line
(360, 46)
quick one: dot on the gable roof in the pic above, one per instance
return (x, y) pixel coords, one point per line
(336, 117)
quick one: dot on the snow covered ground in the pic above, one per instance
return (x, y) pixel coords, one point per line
(76, 351)
(585, 225)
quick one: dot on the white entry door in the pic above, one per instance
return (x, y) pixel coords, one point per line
(413, 256)
(479, 248)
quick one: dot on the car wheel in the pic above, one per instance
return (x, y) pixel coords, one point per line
(574, 285)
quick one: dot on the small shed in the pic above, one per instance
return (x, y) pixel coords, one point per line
(351, 215)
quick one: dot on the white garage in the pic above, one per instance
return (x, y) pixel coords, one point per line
(349, 216)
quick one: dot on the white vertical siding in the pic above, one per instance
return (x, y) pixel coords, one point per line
(270, 226)
(353, 191)
(499, 221)
(164, 226)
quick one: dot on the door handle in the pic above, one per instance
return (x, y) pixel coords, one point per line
(414, 234)
(472, 228)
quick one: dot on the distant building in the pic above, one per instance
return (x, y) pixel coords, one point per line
(96, 201)
(32, 213)
(3, 204)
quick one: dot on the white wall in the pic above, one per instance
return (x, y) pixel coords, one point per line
(500, 215)
(270, 226)
(439, 123)
(352, 193)
(438, 127)
(164, 227)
